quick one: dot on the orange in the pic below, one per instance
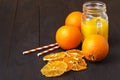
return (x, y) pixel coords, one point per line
(74, 19)
(95, 48)
(68, 37)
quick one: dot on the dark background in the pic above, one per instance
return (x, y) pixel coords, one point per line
(27, 24)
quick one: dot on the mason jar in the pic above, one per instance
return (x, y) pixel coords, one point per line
(94, 19)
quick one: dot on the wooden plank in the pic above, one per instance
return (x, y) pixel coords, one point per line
(7, 15)
(25, 35)
(27, 24)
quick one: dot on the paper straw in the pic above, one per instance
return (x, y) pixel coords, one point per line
(51, 49)
(40, 48)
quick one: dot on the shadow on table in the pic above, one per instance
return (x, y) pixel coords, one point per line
(112, 58)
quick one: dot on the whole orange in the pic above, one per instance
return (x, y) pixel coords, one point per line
(95, 48)
(74, 19)
(68, 37)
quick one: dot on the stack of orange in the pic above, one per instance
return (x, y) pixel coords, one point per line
(69, 35)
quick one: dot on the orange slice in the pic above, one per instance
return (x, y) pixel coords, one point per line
(54, 68)
(79, 65)
(75, 64)
(74, 53)
(69, 61)
(54, 56)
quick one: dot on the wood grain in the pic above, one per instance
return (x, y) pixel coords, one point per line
(27, 24)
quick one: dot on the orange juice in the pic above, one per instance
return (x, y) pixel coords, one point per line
(97, 25)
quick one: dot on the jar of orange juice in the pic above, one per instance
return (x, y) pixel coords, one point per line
(94, 19)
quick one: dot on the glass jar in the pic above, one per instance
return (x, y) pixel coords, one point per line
(94, 19)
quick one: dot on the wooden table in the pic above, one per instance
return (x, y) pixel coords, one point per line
(27, 24)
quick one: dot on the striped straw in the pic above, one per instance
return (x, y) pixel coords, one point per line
(40, 48)
(51, 49)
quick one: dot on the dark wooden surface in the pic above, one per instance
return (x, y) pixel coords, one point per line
(26, 24)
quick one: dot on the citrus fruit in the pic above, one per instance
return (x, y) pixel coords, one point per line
(74, 53)
(54, 56)
(68, 60)
(75, 64)
(61, 62)
(54, 68)
(68, 37)
(79, 64)
(74, 19)
(95, 48)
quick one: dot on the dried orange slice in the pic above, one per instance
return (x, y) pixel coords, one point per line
(54, 56)
(54, 68)
(75, 64)
(74, 53)
(69, 61)
(79, 65)
(61, 62)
